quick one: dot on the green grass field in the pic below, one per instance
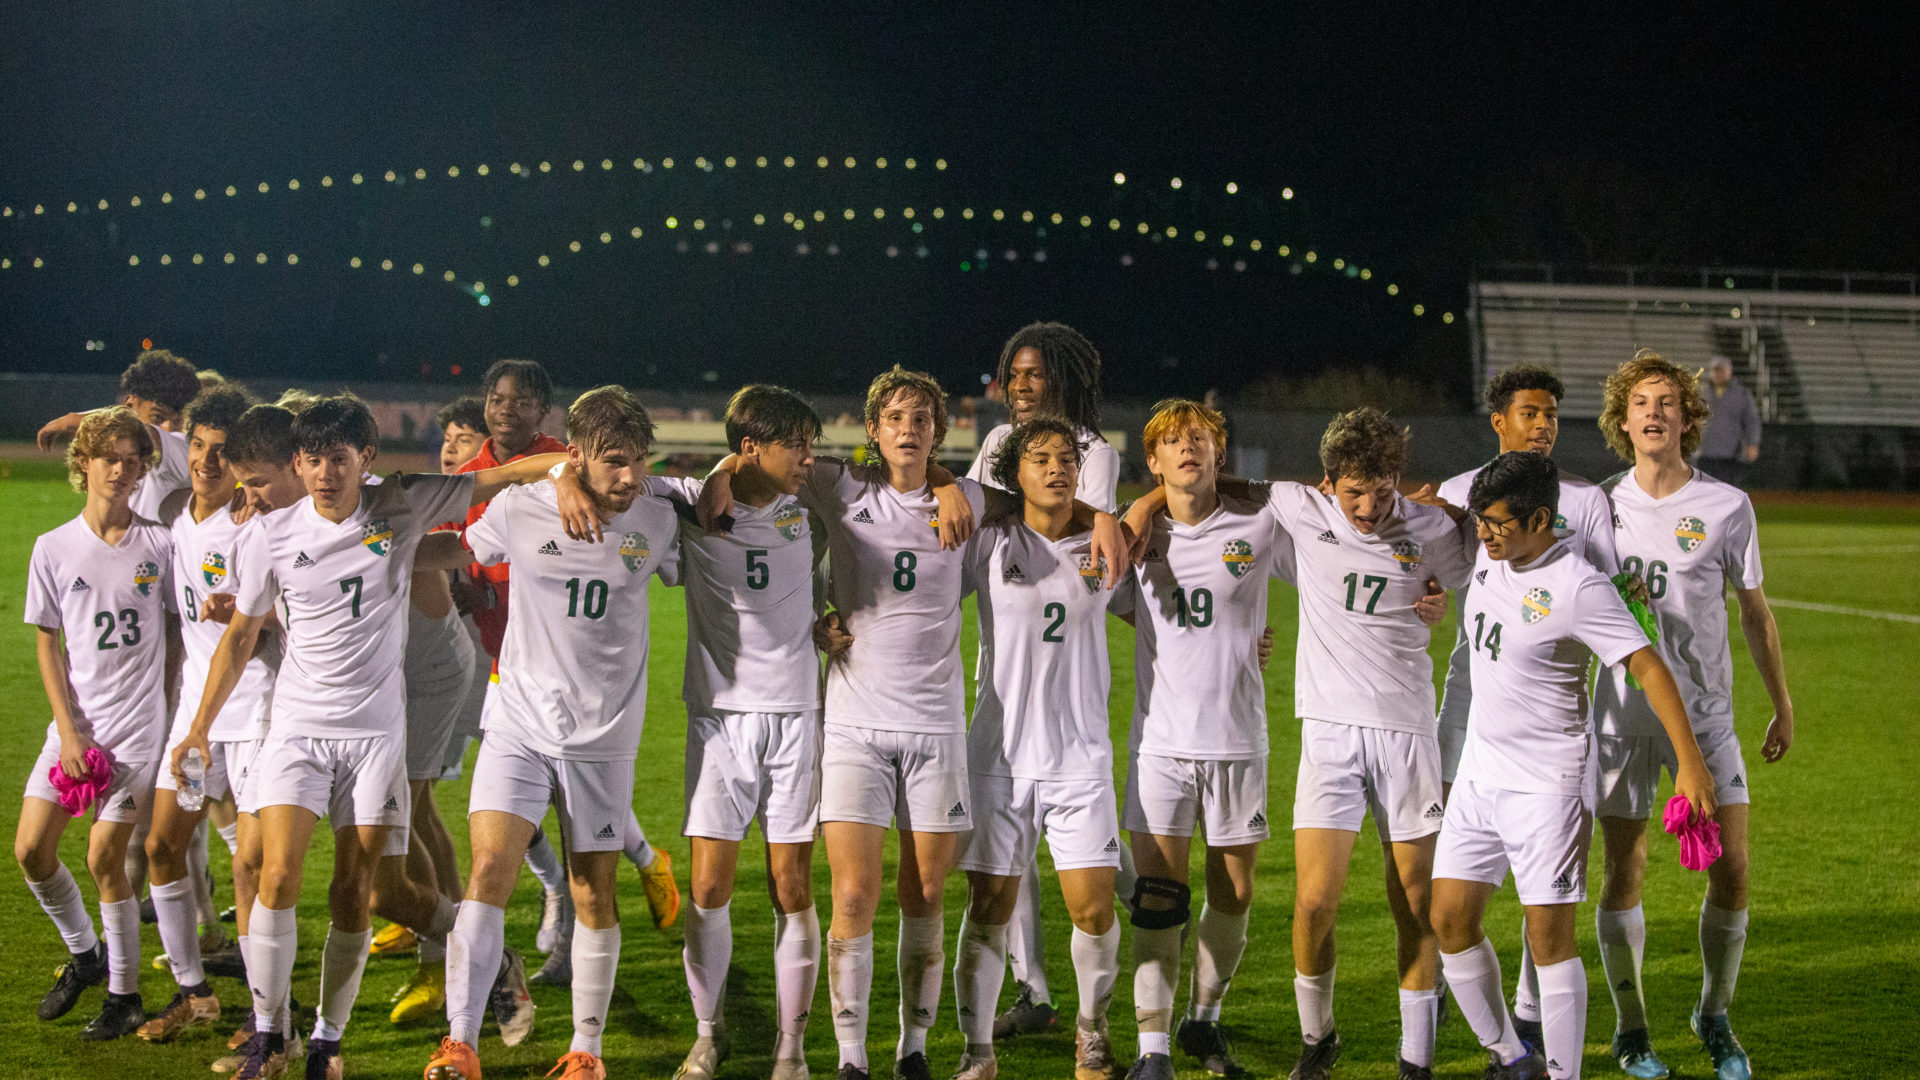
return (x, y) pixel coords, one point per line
(1832, 962)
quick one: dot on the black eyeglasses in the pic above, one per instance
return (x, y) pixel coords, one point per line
(1495, 526)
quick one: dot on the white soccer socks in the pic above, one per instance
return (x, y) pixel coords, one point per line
(1313, 997)
(1419, 1021)
(230, 836)
(979, 968)
(433, 940)
(1474, 975)
(707, 955)
(849, 988)
(273, 936)
(923, 960)
(1623, 947)
(596, 956)
(639, 852)
(1563, 1016)
(1156, 967)
(120, 921)
(1220, 941)
(1096, 967)
(545, 862)
(796, 974)
(178, 918)
(1723, 939)
(1026, 944)
(1526, 992)
(343, 959)
(473, 960)
(60, 898)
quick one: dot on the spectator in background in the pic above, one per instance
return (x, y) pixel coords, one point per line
(1732, 439)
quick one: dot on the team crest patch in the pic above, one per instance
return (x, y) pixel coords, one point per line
(1407, 554)
(1239, 557)
(144, 576)
(634, 551)
(1537, 604)
(1560, 523)
(213, 567)
(1691, 533)
(933, 520)
(791, 522)
(1092, 574)
(377, 536)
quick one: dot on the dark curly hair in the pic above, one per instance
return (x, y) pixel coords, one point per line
(1526, 481)
(1502, 387)
(1365, 445)
(1006, 463)
(468, 412)
(219, 408)
(1069, 363)
(335, 420)
(158, 375)
(263, 436)
(528, 374)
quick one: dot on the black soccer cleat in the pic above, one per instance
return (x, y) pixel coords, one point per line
(1529, 1031)
(1317, 1058)
(850, 1071)
(83, 970)
(1410, 1071)
(121, 1014)
(1151, 1067)
(1531, 1065)
(323, 1059)
(1025, 1016)
(912, 1067)
(1207, 1041)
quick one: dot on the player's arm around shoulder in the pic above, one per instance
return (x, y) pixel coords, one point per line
(527, 470)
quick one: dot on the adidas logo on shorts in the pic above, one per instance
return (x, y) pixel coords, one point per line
(1435, 812)
(301, 561)
(863, 518)
(549, 548)
(1113, 844)
(1257, 821)
(80, 585)
(393, 803)
(1563, 883)
(605, 833)
(958, 810)
(126, 803)
(1737, 781)
(1625, 984)
(1328, 538)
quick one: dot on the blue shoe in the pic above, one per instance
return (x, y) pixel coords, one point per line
(1729, 1060)
(1634, 1051)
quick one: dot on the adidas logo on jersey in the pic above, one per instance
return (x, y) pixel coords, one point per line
(605, 833)
(80, 585)
(957, 811)
(1480, 578)
(550, 548)
(1328, 538)
(1113, 844)
(1257, 821)
(1014, 575)
(863, 518)
(1435, 812)
(393, 803)
(1737, 781)
(300, 561)
(1563, 883)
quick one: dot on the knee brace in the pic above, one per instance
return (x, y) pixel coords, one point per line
(1147, 918)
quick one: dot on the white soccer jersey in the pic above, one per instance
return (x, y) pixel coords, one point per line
(1041, 707)
(1099, 467)
(1361, 654)
(166, 477)
(206, 560)
(1689, 547)
(110, 602)
(1199, 608)
(345, 590)
(1533, 629)
(750, 607)
(573, 665)
(899, 596)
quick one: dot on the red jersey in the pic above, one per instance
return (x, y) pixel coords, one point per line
(492, 619)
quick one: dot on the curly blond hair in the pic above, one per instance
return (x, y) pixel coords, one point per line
(1647, 364)
(99, 430)
(914, 384)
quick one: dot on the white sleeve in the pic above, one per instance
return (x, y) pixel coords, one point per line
(1283, 500)
(1125, 597)
(252, 559)
(435, 498)
(1601, 553)
(487, 538)
(1100, 476)
(978, 473)
(1453, 552)
(43, 593)
(1742, 568)
(669, 568)
(1603, 624)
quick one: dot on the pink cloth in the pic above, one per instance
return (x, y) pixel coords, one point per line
(78, 795)
(1699, 840)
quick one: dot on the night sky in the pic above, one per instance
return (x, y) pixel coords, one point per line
(1419, 143)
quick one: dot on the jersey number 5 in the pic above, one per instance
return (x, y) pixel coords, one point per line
(756, 568)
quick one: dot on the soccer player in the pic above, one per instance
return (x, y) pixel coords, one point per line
(1538, 613)
(1689, 536)
(1049, 369)
(157, 387)
(340, 562)
(1039, 760)
(564, 724)
(204, 579)
(96, 591)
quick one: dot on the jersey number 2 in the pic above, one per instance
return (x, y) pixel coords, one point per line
(1058, 613)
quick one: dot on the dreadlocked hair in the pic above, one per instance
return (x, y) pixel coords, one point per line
(1070, 364)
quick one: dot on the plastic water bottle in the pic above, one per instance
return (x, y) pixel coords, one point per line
(193, 793)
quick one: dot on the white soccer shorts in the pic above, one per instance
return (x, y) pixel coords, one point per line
(1168, 796)
(434, 708)
(595, 798)
(1630, 770)
(126, 800)
(742, 766)
(1011, 815)
(350, 782)
(225, 773)
(1543, 838)
(1346, 771)
(876, 777)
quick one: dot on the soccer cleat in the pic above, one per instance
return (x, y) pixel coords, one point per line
(557, 971)
(229, 915)
(454, 1060)
(324, 1061)
(912, 1067)
(225, 961)
(236, 1045)
(1529, 1031)
(511, 1003)
(1634, 1051)
(70, 978)
(1092, 1053)
(1207, 1040)
(1151, 1067)
(556, 921)
(181, 1013)
(163, 962)
(425, 994)
(1025, 1016)
(213, 940)
(1410, 1071)
(265, 1057)
(1317, 1058)
(977, 1068)
(120, 1014)
(1729, 1058)
(703, 1060)
(1528, 1066)
(790, 1069)
(392, 940)
(663, 893)
(579, 1065)
(148, 916)
(850, 1071)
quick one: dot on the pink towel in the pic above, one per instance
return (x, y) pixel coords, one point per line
(1699, 840)
(78, 795)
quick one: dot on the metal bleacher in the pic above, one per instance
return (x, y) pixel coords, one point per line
(1828, 358)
